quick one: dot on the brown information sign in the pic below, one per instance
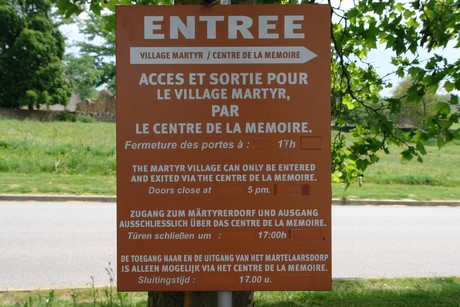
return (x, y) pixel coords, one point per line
(223, 148)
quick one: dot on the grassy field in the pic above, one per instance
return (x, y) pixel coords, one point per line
(376, 292)
(358, 292)
(79, 158)
(57, 157)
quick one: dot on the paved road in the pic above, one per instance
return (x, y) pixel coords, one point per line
(42, 244)
(56, 245)
(391, 241)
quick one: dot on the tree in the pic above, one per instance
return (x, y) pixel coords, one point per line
(31, 53)
(413, 113)
(98, 28)
(84, 74)
(401, 29)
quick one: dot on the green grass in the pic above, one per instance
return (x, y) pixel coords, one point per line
(50, 183)
(31, 147)
(440, 168)
(356, 292)
(375, 292)
(395, 191)
(79, 158)
(57, 157)
(438, 177)
(73, 297)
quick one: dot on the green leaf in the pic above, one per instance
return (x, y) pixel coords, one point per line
(444, 123)
(456, 134)
(399, 7)
(337, 177)
(379, 7)
(111, 4)
(421, 148)
(412, 22)
(417, 73)
(449, 86)
(352, 13)
(67, 8)
(407, 155)
(349, 103)
(109, 22)
(440, 142)
(415, 93)
(95, 7)
(441, 108)
(374, 158)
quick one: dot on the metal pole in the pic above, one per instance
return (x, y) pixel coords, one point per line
(224, 298)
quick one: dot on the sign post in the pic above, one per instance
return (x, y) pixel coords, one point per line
(223, 148)
(225, 298)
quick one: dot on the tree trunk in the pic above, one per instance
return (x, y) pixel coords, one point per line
(199, 299)
(196, 299)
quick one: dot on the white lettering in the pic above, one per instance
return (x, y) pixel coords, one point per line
(290, 26)
(188, 30)
(150, 27)
(211, 25)
(265, 27)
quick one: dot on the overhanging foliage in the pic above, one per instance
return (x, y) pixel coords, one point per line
(402, 29)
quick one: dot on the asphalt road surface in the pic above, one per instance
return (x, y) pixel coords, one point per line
(59, 245)
(56, 245)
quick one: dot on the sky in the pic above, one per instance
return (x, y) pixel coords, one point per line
(72, 35)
